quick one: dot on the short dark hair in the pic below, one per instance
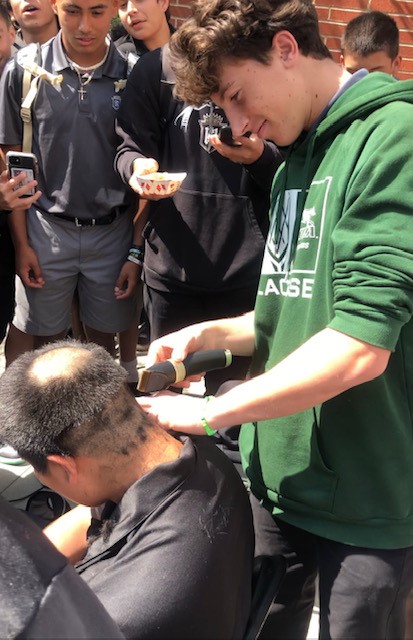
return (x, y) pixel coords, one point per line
(86, 408)
(5, 13)
(371, 32)
(221, 30)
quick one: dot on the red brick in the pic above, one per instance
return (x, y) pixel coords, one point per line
(342, 15)
(406, 37)
(323, 13)
(392, 6)
(347, 4)
(333, 44)
(331, 29)
(407, 67)
(334, 15)
(181, 12)
(335, 55)
(406, 52)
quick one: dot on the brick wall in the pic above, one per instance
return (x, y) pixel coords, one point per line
(334, 15)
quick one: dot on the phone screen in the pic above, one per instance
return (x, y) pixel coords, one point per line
(16, 171)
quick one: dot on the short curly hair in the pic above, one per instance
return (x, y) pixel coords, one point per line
(221, 30)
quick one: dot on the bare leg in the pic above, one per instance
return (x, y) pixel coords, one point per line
(17, 342)
(127, 352)
(127, 343)
(106, 340)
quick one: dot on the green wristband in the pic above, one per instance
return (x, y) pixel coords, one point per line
(209, 431)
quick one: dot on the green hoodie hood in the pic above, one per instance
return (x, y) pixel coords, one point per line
(339, 255)
(358, 101)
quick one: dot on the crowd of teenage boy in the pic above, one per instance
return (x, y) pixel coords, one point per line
(199, 263)
(102, 117)
(186, 279)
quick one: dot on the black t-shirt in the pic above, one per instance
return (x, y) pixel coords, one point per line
(173, 559)
(210, 235)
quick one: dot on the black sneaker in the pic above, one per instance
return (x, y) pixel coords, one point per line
(8, 455)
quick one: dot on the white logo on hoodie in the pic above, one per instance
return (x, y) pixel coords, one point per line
(291, 269)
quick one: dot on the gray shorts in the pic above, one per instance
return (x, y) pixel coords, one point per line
(89, 258)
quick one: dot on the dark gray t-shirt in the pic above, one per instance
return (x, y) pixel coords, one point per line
(74, 139)
(173, 559)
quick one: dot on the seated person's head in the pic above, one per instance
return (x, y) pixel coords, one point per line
(67, 410)
(146, 20)
(371, 41)
(7, 35)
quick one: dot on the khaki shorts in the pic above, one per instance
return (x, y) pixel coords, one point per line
(89, 258)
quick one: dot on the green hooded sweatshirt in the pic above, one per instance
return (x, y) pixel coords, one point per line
(340, 254)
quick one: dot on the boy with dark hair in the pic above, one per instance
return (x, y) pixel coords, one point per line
(170, 545)
(80, 232)
(147, 27)
(7, 36)
(146, 23)
(371, 41)
(327, 434)
(203, 246)
(10, 192)
(35, 22)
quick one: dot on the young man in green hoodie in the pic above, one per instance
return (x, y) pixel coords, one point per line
(327, 436)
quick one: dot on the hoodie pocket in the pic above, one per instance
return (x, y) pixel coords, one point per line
(287, 462)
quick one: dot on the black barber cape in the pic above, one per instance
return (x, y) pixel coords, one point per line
(173, 558)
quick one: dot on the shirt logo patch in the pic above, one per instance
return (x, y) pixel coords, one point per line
(307, 227)
(278, 249)
(116, 100)
(209, 125)
(288, 270)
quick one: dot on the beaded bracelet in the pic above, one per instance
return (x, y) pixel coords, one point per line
(209, 431)
(131, 258)
(136, 255)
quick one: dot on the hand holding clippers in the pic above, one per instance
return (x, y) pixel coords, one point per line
(164, 374)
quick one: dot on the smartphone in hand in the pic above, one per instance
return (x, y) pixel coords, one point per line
(225, 135)
(19, 162)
